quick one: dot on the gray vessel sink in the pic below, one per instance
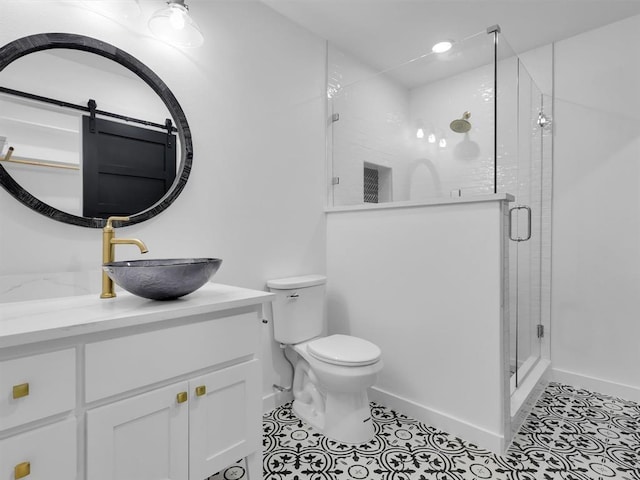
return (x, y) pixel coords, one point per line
(162, 279)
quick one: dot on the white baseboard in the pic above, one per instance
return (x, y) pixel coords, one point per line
(274, 400)
(599, 385)
(472, 433)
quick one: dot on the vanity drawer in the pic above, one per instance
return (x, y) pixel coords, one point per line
(36, 387)
(122, 364)
(43, 454)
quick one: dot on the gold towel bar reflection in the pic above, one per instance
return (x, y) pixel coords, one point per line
(21, 390)
(22, 470)
(8, 158)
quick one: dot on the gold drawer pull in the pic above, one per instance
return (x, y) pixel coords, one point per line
(201, 390)
(20, 391)
(22, 470)
(182, 397)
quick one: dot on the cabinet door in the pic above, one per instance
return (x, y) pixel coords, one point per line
(225, 418)
(143, 438)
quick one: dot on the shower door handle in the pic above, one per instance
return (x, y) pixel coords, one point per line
(528, 210)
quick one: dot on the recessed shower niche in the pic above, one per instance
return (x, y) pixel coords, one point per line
(377, 184)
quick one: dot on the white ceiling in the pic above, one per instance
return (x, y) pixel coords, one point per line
(386, 33)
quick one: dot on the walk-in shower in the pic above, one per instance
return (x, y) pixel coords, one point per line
(392, 140)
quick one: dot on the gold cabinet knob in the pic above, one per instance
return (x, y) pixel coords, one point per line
(22, 470)
(21, 390)
(182, 397)
(201, 390)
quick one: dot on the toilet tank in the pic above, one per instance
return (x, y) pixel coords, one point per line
(298, 309)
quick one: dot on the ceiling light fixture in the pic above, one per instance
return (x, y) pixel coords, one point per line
(442, 47)
(174, 25)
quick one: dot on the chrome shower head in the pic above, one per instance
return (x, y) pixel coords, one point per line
(461, 125)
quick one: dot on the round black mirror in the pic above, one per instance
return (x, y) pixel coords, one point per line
(123, 163)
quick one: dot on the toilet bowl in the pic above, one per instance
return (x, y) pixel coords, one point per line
(333, 397)
(331, 373)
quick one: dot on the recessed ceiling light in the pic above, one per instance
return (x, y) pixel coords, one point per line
(441, 47)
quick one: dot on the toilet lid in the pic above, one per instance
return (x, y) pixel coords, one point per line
(344, 350)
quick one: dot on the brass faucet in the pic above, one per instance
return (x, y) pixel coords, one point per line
(109, 252)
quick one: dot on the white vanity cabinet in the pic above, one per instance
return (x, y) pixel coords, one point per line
(215, 414)
(187, 430)
(136, 389)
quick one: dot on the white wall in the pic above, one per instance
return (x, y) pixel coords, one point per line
(596, 210)
(253, 95)
(424, 284)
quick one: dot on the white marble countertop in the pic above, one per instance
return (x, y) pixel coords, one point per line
(48, 319)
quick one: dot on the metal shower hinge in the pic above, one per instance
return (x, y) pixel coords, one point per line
(543, 121)
(335, 117)
(540, 329)
(335, 180)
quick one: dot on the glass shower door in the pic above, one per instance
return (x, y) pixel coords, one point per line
(525, 231)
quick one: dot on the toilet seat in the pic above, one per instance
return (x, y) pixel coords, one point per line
(344, 350)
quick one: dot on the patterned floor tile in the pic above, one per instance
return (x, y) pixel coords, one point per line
(571, 434)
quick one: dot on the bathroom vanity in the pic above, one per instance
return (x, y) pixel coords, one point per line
(131, 388)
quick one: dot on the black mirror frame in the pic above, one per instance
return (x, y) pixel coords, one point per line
(45, 41)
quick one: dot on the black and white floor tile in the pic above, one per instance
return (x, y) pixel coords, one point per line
(571, 434)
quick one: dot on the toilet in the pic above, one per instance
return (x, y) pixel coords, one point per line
(331, 373)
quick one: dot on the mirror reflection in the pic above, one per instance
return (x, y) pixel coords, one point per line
(83, 163)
